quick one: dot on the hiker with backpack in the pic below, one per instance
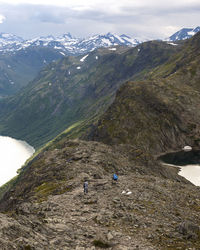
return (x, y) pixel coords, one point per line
(115, 178)
(85, 187)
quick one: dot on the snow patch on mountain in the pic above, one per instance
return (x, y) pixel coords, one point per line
(174, 44)
(62, 53)
(66, 43)
(183, 34)
(83, 58)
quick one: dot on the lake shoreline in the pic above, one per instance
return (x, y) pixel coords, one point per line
(14, 153)
(190, 172)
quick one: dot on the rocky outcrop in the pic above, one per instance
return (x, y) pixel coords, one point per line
(159, 114)
(47, 209)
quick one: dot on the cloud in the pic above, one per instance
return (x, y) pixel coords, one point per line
(45, 15)
(138, 18)
(2, 18)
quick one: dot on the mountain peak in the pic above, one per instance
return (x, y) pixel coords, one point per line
(183, 34)
(65, 43)
(125, 36)
(10, 37)
(67, 35)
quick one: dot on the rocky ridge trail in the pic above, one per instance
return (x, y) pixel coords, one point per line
(140, 211)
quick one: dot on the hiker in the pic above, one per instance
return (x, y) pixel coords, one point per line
(85, 187)
(115, 177)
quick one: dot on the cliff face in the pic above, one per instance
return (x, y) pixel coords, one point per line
(154, 116)
(47, 209)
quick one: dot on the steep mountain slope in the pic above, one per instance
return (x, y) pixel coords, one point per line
(21, 60)
(17, 69)
(162, 113)
(150, 207)
(76, 89)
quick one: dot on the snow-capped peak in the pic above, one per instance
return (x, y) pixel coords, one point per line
(67, 36)
(66, 43)
(183, 34)
(10, 37)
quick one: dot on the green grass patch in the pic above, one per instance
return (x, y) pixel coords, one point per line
(45, 189)
(51, 188)
(101, 244)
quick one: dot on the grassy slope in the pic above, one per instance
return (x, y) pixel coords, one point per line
(57, 99)
(17, 69)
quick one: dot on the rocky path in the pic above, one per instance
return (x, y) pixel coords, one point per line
(141, 211)
(84, 221)
(137, 212)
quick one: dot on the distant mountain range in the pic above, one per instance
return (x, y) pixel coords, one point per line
(66, 44)
(69, 45)
(21, 60)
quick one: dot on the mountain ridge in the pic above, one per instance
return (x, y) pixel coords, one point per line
(78, 88)
(160, 113)
(14, 76)
(70, 45)
(150, 206)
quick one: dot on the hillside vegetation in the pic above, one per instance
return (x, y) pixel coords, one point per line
(76, 89)
(18, 68)
(151, 206)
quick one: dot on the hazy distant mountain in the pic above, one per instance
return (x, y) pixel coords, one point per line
(69, 45)
(66, 43)
(21, 60)
(183, 34)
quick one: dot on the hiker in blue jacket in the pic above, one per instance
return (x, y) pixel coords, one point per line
(115, 177)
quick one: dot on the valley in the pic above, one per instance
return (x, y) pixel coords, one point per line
(80, 91)
(112, 110)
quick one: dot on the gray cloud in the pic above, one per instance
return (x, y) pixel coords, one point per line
(47, 18)
(148, 19)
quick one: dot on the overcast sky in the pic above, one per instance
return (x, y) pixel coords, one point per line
(150, 19)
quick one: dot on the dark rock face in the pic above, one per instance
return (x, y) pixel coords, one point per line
(151, 116)
(47, 208)
(189, 229)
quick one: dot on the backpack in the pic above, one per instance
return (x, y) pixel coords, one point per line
(115, 177)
